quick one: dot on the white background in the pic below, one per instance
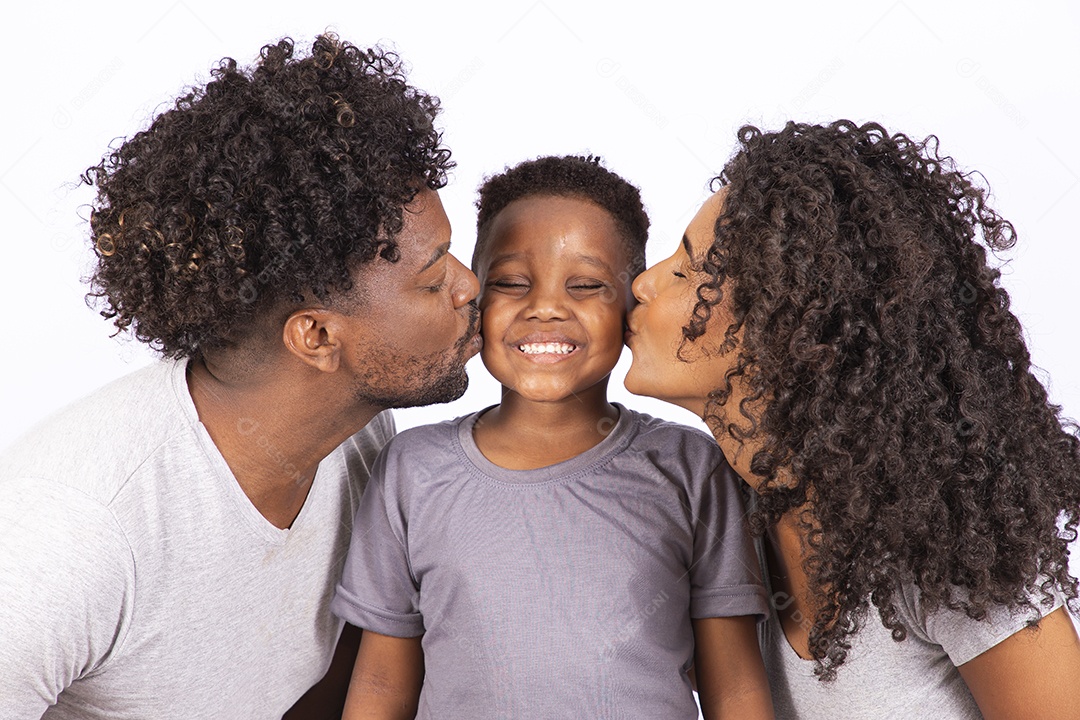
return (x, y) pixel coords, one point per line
(658, 92)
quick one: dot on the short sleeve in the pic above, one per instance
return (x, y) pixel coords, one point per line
(964, 639)
(66, 590)
(377, 591)
(725, 577)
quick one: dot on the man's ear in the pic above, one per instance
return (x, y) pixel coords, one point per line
(314, 336)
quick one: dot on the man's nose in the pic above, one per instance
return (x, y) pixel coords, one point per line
(466, 287)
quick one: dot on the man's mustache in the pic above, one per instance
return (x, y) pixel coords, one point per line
(474, 325)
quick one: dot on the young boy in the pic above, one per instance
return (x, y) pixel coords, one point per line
(556, 555)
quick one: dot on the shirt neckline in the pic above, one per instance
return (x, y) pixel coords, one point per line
(616, 441)
(223, 473)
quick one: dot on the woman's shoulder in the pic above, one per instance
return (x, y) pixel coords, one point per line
(959, 636)
(880, 678)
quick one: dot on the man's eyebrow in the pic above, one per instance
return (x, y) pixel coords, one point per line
(435, 256)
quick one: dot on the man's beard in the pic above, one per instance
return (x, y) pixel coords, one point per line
(401, 381)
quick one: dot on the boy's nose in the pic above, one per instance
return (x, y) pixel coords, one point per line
(547, 304)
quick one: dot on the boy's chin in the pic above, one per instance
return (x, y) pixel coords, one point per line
(586, 394)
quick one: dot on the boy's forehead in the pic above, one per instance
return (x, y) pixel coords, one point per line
(554, 227)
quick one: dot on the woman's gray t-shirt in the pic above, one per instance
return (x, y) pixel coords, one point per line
(882, 678)
(565, 591)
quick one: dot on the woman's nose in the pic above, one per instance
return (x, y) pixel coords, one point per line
(644, 285)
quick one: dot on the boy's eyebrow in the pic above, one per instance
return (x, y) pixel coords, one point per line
(589, 259)
(592, 260)
(503, 258)
(435, 256)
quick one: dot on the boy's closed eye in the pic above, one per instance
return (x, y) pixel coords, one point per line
(510, 285)
(584, 288)
(576, 288)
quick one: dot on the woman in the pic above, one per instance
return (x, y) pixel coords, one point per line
(830, 314)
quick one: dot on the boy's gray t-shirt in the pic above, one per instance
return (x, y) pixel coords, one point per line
(565, 591)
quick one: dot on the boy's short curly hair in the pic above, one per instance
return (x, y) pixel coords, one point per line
(268, 185)
(567, 176)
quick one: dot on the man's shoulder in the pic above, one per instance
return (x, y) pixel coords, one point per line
(358, 453)
(370, 439)
(96, 442)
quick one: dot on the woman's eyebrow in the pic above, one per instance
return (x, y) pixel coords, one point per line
(689, 250)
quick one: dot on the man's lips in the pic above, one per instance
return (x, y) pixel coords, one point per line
(472, 338)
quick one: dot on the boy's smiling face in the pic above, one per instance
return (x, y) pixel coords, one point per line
(554, 297)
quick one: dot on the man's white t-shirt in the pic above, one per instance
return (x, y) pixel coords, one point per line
(137, 580)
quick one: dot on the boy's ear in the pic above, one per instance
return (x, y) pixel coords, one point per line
(314, 336)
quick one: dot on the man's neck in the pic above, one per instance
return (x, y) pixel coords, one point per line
(273, 427)
(521, 434)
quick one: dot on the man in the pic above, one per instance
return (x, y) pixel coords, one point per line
(169, 545)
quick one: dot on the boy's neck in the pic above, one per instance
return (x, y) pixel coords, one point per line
(521, 434)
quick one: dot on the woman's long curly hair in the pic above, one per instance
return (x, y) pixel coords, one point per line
(270, 184)
(898, 418)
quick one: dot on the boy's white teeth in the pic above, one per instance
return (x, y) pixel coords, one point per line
(556, 348)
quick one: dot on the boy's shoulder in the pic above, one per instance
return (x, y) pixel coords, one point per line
(440, 437)
(685, 454)
(654, 430)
